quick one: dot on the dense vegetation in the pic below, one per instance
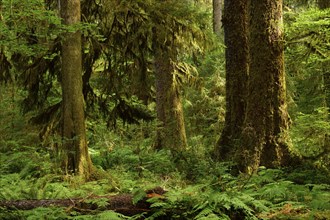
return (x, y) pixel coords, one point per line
(122, 129)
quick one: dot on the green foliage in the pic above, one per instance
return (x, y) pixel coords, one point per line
(197, 187)
(109, 215)
(301, 195)
(202, 202)
(310, 136)
(45, 213)
(205, 107)
(307, 56)
(142, 162)
(24, 24)
(309, 31)
(59, 213)
(138, 195)
(131, 28)
(118, 49)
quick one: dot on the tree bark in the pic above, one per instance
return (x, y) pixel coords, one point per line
(217, 16)
(4, 61)
(326, 81)
(140, 86)
(237, 63)
(75, 152)
(323, 4)
(171, 133)
(264, 137)
(119, 203)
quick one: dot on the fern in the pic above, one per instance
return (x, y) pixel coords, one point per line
(138, 195)
(157, 214)
(320, 197)
(158, 205)
(275, 192)
(206, 213)
(45, 213)
(99, 202)
(106, 215)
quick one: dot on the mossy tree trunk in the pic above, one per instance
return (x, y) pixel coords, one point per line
(140, 83)
(326, 79)
(171, 133)
(217, 16)
(264, 137)
(237, 63)
(325, 4)
(76, 159)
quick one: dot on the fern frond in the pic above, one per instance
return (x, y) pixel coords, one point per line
(206, 213)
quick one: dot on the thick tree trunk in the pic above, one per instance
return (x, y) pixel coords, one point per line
(217, 16)
(171, 132)
(237, 63)
(75, 152)
(264, 137)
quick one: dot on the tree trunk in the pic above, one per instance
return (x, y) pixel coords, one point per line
(140, 86)
(264, 136)
(75, 152)
(323, 4)
(123, 203)
(326, 81)
(4, 61)
(171, 132)
(217, 16)
(237, 63)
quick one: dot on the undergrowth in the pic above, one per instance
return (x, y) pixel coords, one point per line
(197, 187)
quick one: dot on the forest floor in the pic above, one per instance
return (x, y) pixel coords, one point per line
(197, 187)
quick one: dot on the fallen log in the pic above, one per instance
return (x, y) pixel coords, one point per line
(122, 204)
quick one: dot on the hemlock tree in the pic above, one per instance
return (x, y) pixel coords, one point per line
(171, 133)
(237, 62)
(75, 152)
(176, 30)
(264, 138)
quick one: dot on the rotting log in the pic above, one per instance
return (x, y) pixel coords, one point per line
(122, 203)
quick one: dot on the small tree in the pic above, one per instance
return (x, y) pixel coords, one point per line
(175, 29)
(171, 132)
(76, 158)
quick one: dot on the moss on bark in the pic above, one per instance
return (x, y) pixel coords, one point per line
(74, 152)
(171, 132)
(237, 62)
(264, 138)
